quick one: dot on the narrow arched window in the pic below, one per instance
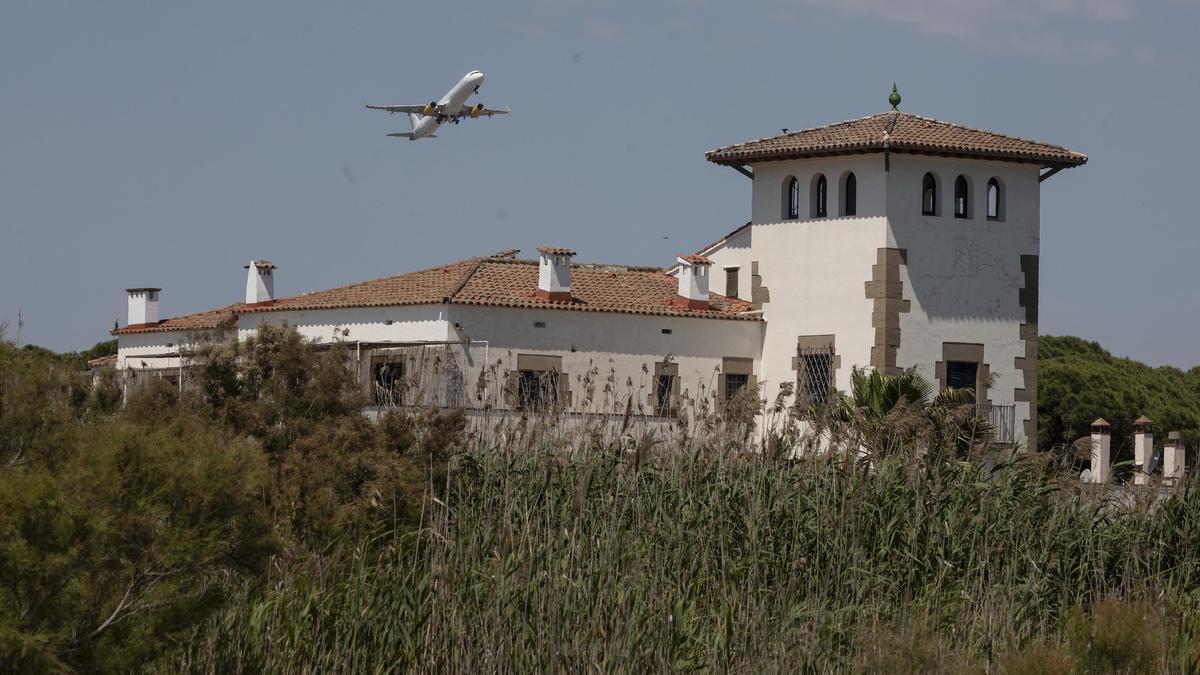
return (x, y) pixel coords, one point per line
(961, 198)
(929, 195)
(820, 203)
(995, 203)
(792, 212)
(850, 196)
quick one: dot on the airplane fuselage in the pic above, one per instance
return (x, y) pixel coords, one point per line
(450, 107)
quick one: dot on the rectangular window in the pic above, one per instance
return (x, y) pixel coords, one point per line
(387, 380)
(663, 386)
(815, 371)
(735, 382)
(538, 384)
(962, 374)
(731, 282)
(537, 390)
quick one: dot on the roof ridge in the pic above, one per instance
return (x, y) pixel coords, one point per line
(465, 278)
(1001, 134)
(793, 132)
(433, 268)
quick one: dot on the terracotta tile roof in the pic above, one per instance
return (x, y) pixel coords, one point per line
(594, 288)
(897, 132)
(188, 322)
(497, 282)
(422, 287)
(695, 259)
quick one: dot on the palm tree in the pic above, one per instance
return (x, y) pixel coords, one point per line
(886, 413)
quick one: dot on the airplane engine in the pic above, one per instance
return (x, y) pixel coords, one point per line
(430, 109)
(476, 110)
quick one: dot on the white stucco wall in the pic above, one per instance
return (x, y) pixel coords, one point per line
(769, 193)
(963, 276)
(627, 344)
(416, 323)
(153, 349)
(815, 271)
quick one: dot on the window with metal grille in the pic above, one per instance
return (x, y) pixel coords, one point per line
(735, 383)
(731, 282)
(961, 374)
(662, 394)
(537, 389)
(815, 373)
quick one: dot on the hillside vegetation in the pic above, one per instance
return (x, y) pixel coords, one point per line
(260, 523)
(1079, 381)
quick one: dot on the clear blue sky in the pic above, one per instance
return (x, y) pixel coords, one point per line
(166, 144)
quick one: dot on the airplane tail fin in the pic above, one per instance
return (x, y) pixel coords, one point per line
(414, 118)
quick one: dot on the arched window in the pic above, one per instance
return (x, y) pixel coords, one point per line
(995, 200)
(820, 197)
(929, 195)
(962, 198)
(791, 206)
(850, 195)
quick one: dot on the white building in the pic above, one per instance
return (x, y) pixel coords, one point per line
(892, 241)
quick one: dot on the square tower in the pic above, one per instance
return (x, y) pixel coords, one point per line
(895, 241)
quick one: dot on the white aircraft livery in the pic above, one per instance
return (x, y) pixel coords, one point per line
(453, 107)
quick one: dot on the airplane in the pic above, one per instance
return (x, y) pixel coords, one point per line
(452, 108)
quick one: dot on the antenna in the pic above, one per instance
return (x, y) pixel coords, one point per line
(20, 325)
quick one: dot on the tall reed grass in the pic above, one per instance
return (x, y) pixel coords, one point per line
(552, 559)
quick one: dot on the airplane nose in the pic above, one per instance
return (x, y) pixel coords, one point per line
(477, 78)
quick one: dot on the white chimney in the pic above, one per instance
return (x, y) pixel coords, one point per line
(693, 281)
(1143, 447)
(143, 305)
(260, 281)
(554, 273)
(1101, 451)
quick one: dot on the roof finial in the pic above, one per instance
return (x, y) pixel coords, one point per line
(894, 98)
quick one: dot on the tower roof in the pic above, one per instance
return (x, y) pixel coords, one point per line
(901, 132)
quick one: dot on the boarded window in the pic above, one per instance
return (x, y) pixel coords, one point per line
(961, 374)
(731, 282)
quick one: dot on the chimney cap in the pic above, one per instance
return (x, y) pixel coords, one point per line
(694, 259)
(145, 289)
(262, 265)
(1101, 422)
(1142, 421)
(555, 250)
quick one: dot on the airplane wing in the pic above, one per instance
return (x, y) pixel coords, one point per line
(489, 112)
(399, 108)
